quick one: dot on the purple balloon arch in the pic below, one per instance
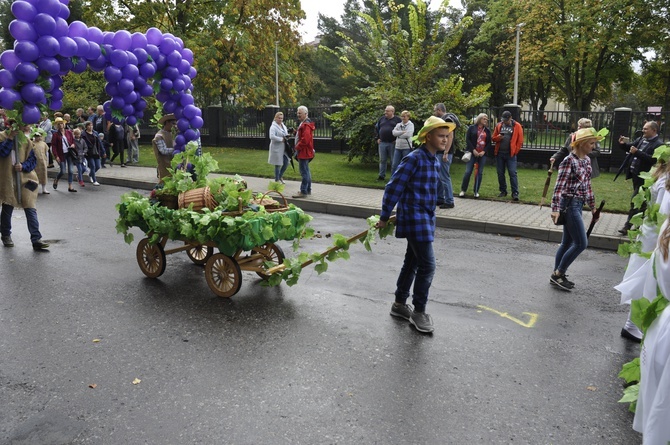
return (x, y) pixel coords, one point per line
(134, 65)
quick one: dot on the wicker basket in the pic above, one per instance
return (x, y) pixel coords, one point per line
(270, 204)
(167, 200)
(200, 198)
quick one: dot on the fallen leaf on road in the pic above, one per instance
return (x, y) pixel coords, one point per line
(92, 386)
(591, 388)
(136, 381)
(96, 340)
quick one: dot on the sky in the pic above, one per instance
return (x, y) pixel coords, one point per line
(334, 8)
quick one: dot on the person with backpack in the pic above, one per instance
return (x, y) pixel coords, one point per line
(508, 137)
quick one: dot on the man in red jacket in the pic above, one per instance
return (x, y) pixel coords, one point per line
(304, 151)
(508, 136)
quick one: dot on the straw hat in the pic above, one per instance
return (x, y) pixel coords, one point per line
(431, 124)
(59, 120)
(167, 117)
(584, 134)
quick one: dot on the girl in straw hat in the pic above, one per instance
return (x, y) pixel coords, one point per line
(413, 188)
(572, 191)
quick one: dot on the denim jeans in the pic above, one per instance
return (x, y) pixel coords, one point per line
(418, 268)
(31, 219)
(306, 184)
(80, 171)
(505, 161)
(445, 191)
(63, 165)
(280, 169)
(398, 154)
(385, 155)
(468, 172)
(94, 166)
(574, 239)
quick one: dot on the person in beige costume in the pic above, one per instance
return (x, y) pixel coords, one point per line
(164, 145)
(42, 155)
(17, 164)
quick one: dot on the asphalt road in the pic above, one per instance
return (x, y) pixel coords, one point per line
(512, 360)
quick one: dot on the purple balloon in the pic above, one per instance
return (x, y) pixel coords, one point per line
(197, 122)
(107, 37)
(55, 104)
(178, 85)
(48, 64)
(174, 59)
(128, 110)
(80, 66)
(190, 112)
(179, 140)
(183, 125)
(179, 113)
(167, 46)
(22, 30)
(48, 46)
(132, 58)
(61, 28)
(139, 83)
(147, 70)
(26, 72)
(184, 67)
(125, 87)
(162, 96)
(64, 12)
(95, 35)
(180, 43)
(7, 79)
(186, 99)
(51, 7)
(147, 91)
(131, 120)
(32, 93)
(44, 24)
(192, 73)
(154, 36)
(130, 72)
(66, 65)
(153, 51)
(98, 64)
(31, 114)
(26, 50)
(141, 105)
(171, 73)
(113, 74)
(117, 102)
(112, 89)
(57, 80)
(160, 61)
(93, 50)
(169, 106)
(190, 135)
(131, 97)
(8, 96)
(138, 40)
(24, 10)
(57, 94)
(187, 55)
(82, 47)
(49, 85)
(198, 112)
(122, 40)
(78, 29)
(141, 55)
(119, 58)
(166, 85)
(68, 47)
(139, 114)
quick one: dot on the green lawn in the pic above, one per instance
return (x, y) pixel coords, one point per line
(332, 168)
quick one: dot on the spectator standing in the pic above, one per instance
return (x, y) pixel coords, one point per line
(445, 190)
(60, 144)
(4, 121)
(385, 139)
(80, 118)
(478, 139)
(277, 155)
(18, 159)
(45, 124)
(566, 148)
(640, 159)
(94, 151)
(132, 142)
(403, 132)
(508, 137)
(117, 141)
(163, 146)
(413, 188)
(90, 111)
(572, 191)
(41, 155)
(100, 123)
(304, 150)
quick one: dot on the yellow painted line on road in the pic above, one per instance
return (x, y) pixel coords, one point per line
(529, 324)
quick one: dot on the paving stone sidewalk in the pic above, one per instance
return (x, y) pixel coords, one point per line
(498, 217)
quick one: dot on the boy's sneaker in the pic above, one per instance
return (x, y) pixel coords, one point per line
(403, 311)
(422, 321)
(561, 281)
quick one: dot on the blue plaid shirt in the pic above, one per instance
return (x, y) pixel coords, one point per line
(413, 187)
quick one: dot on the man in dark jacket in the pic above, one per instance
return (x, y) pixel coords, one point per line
(640, 159)
(385, 139)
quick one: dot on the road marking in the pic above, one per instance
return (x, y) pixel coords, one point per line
(531, 321)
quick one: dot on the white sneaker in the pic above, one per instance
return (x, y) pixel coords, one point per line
(462, 194)
(476, 195)
(96, 183)
(92, 181)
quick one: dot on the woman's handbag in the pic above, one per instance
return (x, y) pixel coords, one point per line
(466, 157)
(563, 213)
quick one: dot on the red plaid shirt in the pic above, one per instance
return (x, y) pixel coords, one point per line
(574, 179)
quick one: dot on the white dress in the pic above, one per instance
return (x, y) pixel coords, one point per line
(652, 416)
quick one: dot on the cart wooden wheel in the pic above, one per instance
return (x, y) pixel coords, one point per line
(223, 275)
(199, 254)
(151, 258)
(270, 252)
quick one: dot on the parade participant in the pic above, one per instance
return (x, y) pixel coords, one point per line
(572, 190)
(42, 155)
(60, 144)
(413, 187)
(164, 146)
(94, 151)
(567, 148)
(18, 185)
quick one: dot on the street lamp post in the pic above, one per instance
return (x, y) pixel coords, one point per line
(516, 64)
(277, 74)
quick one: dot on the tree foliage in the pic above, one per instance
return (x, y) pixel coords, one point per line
(403, 65)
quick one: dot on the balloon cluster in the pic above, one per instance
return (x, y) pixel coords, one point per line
(135, 66)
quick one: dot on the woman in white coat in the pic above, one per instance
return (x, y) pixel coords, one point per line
(277, 156)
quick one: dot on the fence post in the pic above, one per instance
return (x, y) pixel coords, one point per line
(268, 116)
(213, 123)
(620, 126)
(336, 108)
